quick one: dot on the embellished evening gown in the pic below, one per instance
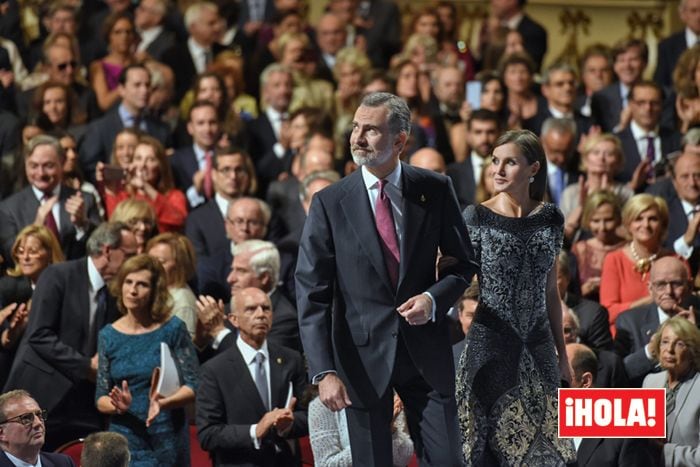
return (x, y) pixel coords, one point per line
(508, 374)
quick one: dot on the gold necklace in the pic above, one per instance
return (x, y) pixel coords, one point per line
(642, 265)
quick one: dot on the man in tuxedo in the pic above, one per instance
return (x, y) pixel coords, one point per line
(371, 314)
(269, 139)
(603, 452)
(558, 140)
(645, 142)
(682, 195)
(511, 14)
(559, 90)
(482, 131)
(22, 433)
(192, 165)
(596, 73)
(245, 415)
(331, 36)
(671, 295)
(71, 215)
(630, 58)
(155, 39)
(57, 358)
(134, 90)
(671, 48)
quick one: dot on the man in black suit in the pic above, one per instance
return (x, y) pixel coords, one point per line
(444, 106)
(245, 410)
(559, 91)
(596, 73)
(57, 357)
(22, 433)
(482, 131)
(603, 452)
(192, 165)
(331, 36)
(671, 48)
(371, 314)
(645, 142)
(187, 60)
(148, 19)
(69, 214)
(630, 57)
(510, 13)
(135, 90)
(671, 296)
(60, 18)
(558, 140)
(269, 139)
(682, 194)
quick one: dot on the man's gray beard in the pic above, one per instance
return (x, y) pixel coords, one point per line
(372, 160)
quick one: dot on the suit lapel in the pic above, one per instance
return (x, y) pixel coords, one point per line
(586, 450)
(247, 385)
(650, 324)
(414, 211)
(681, 398)
(279, 384)
(28, 206)
(82, 294)
(355, 205)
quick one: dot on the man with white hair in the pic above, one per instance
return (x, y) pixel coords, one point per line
(155, 39)
(205, 27)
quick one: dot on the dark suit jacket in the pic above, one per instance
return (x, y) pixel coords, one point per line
(19, 210)
(184, 165)
(267, 165)
(161, 44)
(285, 324)
(606, 106)
(288, 213)
(384, 35)
(615, 452)
(670, 50)
(179, 59)
(594, 328)
(212, 272)
(534, 123)
(48, 459)
(99, 138)
(670, 141)
(346, 303)
(53, 356)
(611, 371)
(462, 175)
(205, 229)
(228, 403)
(442, 137)
(15, 290)
(534, 38)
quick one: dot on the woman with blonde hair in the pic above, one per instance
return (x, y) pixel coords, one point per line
(140, 217)
(176, 254)
(129, 350)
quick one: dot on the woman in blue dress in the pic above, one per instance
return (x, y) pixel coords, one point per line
(129, 350)
(515, 354)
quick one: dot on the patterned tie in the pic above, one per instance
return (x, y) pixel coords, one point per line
(208, 185)
(651, 154)
(384, 218)
(49, 220)
(261, 379)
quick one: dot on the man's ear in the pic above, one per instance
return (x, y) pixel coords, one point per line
(587, 380)
(266, 281)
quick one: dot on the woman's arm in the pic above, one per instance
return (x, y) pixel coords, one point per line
(325, 439)
(105, 97)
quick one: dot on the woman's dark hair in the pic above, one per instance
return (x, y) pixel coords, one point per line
(111, 20)
(530, 147)
(159, 305)
(223, 108)
(73, 114)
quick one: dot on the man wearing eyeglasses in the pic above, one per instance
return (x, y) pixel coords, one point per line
(22, 433)
(670, 291)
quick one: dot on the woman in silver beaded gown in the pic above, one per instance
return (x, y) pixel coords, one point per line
(515, 355)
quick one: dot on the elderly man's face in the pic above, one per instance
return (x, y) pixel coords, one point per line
(570, 329)
(557, 147)
(44, 168)
(252, 315)
(245, 221)
(686, 178)
(17, 436)
(242, 275)
(62, 65)
(668, 284)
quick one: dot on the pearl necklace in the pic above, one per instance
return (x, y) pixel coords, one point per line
(642, 265)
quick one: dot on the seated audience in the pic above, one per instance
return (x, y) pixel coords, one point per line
(22, 433)
(676, 346)
(129, 349)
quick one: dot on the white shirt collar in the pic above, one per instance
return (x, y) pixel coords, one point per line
(197, 52)
(249, 352)
(663, 316)
(40, 194)
(559, 114)
(690, 37)
(96, 280)
(687, 207)
(20, 463)
(514, 22)
(639, 133)
(222, 204)
(393, 178)
(148, 36)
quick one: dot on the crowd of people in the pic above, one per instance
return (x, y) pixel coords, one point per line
(326, 234)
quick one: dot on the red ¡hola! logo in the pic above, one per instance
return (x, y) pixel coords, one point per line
(612, 413)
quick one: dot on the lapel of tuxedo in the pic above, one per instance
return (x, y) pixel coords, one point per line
(358, 212)
(82, 294)
(245, 382)
(279, 382)
(27, 207)
(414, 210)
(681, 398)
(649, 324)
(5, 461)
(586, 450)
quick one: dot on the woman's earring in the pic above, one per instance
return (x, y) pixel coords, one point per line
(532, 179)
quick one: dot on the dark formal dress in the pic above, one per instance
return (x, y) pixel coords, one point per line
(507, 381)
(132, 357)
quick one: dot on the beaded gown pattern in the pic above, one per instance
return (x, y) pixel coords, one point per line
(508, 374)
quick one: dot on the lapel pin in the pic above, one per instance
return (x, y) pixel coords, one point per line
(422, 198)
(279, 360)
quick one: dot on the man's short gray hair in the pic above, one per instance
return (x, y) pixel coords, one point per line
(265, 258)
(692, 137)
(45, 140)
(557, 67)
(399, 117)
(331, 176)
(271, 69)
(106, 234)
(558, 125)
(194, 12)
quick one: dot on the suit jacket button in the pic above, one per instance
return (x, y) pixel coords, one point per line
(394, 334)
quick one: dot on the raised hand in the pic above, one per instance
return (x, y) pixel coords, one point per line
(121, 397)
(75, 207)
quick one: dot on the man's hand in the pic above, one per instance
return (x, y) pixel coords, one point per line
(210, 314)
(332, 392)
(44, 210)
(198, 181)
(266, 423)
(688, 314)
(75, 206)
(691, 232)
(285, 418)
(640, 175)
(417, 310)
